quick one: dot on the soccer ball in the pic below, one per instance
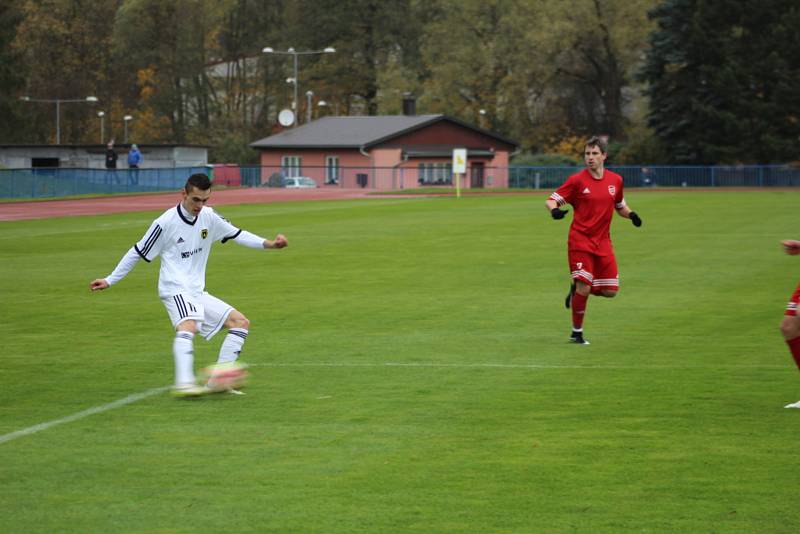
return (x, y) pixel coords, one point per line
(226, 376)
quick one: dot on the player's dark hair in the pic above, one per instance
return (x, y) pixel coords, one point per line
(597, 141)
(199, 181)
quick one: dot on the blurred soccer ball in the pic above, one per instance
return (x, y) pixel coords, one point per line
(226, 376)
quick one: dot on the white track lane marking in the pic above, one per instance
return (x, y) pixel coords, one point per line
(130, 399)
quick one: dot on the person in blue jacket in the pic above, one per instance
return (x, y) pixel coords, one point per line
(134, 159)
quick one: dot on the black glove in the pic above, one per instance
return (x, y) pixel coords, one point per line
(559, 214)
(637, 222)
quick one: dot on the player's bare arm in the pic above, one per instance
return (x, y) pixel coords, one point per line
(791, 246)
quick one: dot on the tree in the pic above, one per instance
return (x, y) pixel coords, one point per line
(368, 35)
(63, 48)
(12, 76)
(594, 49)
(538, 71)
(724, 81)
(464, 68)
(246, 94)
(543, 70)
(164, 48)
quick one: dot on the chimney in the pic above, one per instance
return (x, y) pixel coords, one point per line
(409, 104)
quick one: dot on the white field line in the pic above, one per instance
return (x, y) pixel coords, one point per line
(511, 366)
(130, 399)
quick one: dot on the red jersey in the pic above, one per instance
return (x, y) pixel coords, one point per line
(594, 201)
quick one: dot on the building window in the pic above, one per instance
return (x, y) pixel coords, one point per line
(435, 173)
(290, 166)
(332, 169)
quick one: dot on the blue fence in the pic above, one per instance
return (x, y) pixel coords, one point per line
(666, 176)
(59, 182)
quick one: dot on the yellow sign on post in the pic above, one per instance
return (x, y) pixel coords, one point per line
(459, 167)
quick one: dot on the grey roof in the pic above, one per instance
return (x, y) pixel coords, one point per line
(354, 132)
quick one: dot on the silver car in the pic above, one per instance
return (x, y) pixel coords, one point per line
(299, 182)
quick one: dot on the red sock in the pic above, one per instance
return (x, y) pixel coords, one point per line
(578, 310)
(794, 346)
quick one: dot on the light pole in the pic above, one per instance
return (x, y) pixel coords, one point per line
(309, 95)
(58, 101)
(102, 115)
(293, 81)
(126, 119)
(292, 52)
(321, 105)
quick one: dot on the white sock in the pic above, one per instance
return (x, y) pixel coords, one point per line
(232, 345)
(183, 349)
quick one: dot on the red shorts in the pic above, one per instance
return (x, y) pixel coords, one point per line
(791, 306)
(600, 272)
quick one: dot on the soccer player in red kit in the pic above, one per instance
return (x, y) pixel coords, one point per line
(594, 194)
(790, 326)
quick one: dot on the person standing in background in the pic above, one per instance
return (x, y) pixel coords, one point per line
(111, 160)
(134, 160)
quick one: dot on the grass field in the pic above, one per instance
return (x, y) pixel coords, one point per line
(411, 374)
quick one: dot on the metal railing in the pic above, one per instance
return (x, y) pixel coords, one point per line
(61, 182)
(666, 176)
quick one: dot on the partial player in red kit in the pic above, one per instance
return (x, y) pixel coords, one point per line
(790, 326)
(594, 193)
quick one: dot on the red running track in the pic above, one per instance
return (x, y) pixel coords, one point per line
(18, 211)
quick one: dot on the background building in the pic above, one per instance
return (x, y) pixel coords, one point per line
(13, 156)
(386, 152)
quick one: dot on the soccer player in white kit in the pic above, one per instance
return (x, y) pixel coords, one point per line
(183, 236)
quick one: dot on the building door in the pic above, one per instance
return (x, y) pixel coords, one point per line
(45, 162)
(476, 176)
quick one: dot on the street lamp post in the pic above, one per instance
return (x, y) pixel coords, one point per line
(58, 101)
(102, 115)
(309, 95)
(126, 119)
(292, 52)
(293, 81)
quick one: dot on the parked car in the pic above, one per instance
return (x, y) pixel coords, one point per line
(299, 182)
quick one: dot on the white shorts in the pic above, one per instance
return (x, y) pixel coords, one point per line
(206, 310)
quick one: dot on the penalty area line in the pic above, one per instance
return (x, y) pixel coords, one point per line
(130, 399)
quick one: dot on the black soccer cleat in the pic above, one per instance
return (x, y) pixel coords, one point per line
(577, 338)
(568, 300)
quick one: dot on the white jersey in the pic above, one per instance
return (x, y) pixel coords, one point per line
(184, 243)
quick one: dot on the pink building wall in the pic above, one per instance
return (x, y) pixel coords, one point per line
(384, 168)
(351, 163)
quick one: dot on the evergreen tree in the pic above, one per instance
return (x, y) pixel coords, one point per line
(724, 80)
